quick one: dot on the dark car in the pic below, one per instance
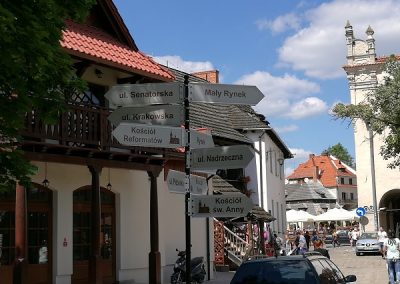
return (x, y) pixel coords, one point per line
(299, 269)
(343, 237)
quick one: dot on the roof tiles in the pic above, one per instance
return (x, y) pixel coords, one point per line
(328, 169)
(88, 41)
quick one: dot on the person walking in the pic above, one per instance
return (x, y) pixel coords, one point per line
(318, 248)
(355, 234)
(335, 239)
(382, 236)
(391, 248)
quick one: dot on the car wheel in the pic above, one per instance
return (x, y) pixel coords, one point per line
(357, 253)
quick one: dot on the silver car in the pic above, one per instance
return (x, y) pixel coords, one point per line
(367, 243)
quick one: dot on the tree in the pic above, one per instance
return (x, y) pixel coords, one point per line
(380, 111)
(35, 73)
(339, 152)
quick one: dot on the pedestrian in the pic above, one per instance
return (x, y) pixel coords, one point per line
(308, 238)
(318, 248)
(314, 237)
(335, 239)
(355, 234)
(391, 248)
(300, 242)
(382, 236)
(277, 243)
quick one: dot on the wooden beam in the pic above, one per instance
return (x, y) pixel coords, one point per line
(95, 275)
(89, 161)
(154, 255)
(21, 250)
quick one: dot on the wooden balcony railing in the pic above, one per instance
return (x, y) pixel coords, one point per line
(79, 126)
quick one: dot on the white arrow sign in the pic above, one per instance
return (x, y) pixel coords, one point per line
(176, 183)
(144, 94)
(200, 140)
(225, 205)
(172, 115)
(132, 134)
(225, 94)
(226, 157)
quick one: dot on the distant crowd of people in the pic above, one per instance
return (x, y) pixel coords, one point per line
(301, 241)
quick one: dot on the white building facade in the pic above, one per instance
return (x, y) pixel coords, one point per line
(267, 178)
(378, 186)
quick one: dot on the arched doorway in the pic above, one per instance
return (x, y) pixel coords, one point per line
(82, 235)
(389, 210)
(39, 234)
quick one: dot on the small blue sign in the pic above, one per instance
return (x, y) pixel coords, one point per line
(360, 211)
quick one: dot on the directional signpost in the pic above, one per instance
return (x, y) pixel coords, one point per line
(200, 140)
(144, 94)
(147, 115)
(172, 115)
(132, 134)
(225, 205)
(176, 183)
(224, 94)
(226, 157)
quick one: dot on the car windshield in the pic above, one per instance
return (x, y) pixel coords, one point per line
(368, 236)
(274, 272)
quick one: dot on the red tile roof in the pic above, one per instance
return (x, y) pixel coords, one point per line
(328, 169)
(94, 44)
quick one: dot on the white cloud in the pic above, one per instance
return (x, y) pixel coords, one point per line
(176, 62)
(280, 24)
(307, 107)
(282, 95)
(285, 129)
(300, 156)
(319, 48)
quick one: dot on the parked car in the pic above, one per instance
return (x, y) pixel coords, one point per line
(328, 239)
(367, 243)
(311, 268)
(343, 237)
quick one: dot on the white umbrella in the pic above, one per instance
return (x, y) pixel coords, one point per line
(293, 216)
(336, 214)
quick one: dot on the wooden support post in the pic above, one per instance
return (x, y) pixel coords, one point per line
(154, 255)
(20, 265)
(95, 275)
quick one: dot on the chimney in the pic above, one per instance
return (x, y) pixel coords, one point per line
(316, 174)
(210, 76)
(311, 156)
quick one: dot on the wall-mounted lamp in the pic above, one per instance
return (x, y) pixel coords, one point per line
(280, 161)
(98, 73)
(45, 182)
(109, 186)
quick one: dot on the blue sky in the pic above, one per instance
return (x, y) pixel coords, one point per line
(293, 51)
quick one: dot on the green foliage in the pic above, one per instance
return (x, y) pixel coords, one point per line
(340, 152)
(34, 72)
(381, 112)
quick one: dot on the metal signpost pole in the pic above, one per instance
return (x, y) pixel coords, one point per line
(372, 158)
(187, 183)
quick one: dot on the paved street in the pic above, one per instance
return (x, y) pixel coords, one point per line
(369, 269)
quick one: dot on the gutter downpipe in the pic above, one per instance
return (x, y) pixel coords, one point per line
(261, 188)
(208, 256)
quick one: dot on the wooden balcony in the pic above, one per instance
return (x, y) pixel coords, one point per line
(84, 131)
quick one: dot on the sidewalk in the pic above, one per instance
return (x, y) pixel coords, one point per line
(221, 278)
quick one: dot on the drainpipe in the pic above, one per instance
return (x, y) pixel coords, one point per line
(261, 190)
(208, 238)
